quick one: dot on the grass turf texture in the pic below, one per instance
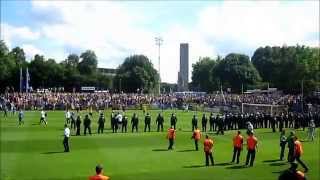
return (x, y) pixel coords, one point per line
(35, 152)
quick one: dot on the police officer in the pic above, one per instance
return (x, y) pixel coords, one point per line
(134, 122)
(78, 125)
(211, 122)
(204, 122)
(87, 124)
(147, 122)
(194, 122)
(173, 120)
(73, 120)
(159, 122)
(290, 142)
(114, 123)
(220, 123)
(124, 123)
(101, 122)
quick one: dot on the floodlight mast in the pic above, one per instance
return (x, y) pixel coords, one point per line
(159, 41)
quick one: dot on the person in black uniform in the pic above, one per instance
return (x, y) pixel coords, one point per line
(220, 123)
(173, 120)
(194, 122)
(101, 122)
(211, 122)
(87, 123)
(114, 123)
(159, 122)
(73, 121)
(204, 122)
(124, 123)
(147, 122)
(78, 125)
(134, 122)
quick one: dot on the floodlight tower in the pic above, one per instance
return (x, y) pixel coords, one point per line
(159, 41)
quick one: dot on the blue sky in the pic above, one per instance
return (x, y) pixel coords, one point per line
(115, 30)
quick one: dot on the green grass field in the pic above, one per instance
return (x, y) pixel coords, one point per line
(35, 152)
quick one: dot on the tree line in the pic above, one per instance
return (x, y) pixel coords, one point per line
(288, 68)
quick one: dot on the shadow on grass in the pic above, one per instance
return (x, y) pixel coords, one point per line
(278, 164)
(194, 166)
(270, 161)
(236, 167)
(53, 152)
(187, 150)
(277, 172)
(222, 164)
(159, 149)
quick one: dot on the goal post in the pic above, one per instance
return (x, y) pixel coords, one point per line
(263, 108)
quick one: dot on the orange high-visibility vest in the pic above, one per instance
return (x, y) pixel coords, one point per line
(298, 148)
(208, 144)
(252, 142)
(99, 177)
(196, 134)
(237, 141)
(171, 133)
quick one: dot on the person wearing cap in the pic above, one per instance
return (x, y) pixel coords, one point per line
(99, 175)
(173, 120)
(311, 130)
(292, 173)
(66, 138)
(252, 145)
(124, 124)
(147, 122)
(211, 122)
(204, 122)
(207, 147)
(298, 151)
(101, 122)
(171, 136)
(159, 122)
(194, 122)
(196, 136)
(134, 122)
(237, 146)
(87, 124)
(78, 125)
(283, 142)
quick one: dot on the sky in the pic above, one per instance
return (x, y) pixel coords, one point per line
(115, 30)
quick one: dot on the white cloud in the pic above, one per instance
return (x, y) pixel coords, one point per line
(12, 33)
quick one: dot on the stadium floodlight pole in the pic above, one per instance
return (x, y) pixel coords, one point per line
(159, 41)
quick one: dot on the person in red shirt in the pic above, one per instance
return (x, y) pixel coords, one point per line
(99, 175)
(171, 136)
(298, 151)
(237, 146)
(208, 145)
(252, 145)
(196, 136)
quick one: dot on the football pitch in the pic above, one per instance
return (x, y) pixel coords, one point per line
(35, 152)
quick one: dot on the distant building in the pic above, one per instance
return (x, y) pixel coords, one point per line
(183, 74)
(107, 71)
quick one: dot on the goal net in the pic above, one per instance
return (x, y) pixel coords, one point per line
(263, 108)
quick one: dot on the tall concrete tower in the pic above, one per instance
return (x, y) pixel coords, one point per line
(183, 74)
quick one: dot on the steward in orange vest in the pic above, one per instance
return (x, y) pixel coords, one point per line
(171, 136)
(196, 136)
(298, 151)
(252, 144)
(237, 146)
(207, 147)
(99, 175)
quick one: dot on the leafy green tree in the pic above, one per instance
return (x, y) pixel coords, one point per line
(136, 72)
(89, 62)
(201, 74)
(18, 55)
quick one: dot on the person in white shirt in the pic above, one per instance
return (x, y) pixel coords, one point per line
(43, 117)
(249, 128)
(66, 138)
(68, 117)
(119, 120)
(311, 130)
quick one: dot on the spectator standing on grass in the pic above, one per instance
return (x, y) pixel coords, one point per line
(207, 147)
(311, 130)
(43, 115)
(283, 142)
(298, 151)
(68, 116)
(171, 136)
(66, 138)
(237, 146)
(99, 175)
(21, 116)
(252, 145)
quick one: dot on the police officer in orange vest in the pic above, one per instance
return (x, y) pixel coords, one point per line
(237, 146)
(196, 136)
(298, 151)
(171, 136)
(99, 175)
(207, 147)
(252, 145)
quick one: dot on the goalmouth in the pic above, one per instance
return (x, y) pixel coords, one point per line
(263, 108)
